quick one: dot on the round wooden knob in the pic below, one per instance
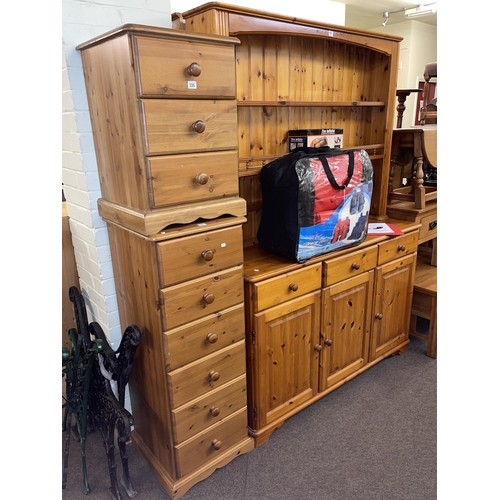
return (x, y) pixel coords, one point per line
(355, 266)
(318, 347)
(198, 126)
(212, 338)
(194, 69)
(201, 179)
(207, 255)
(328, 342)
(293, 287)
(214, 411)
(213, 376)
(401, 248)
(378, 316)
(208, 298)
(216, 444)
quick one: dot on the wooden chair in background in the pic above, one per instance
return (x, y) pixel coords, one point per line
(413, 156)
(428, 112)
(414, 150)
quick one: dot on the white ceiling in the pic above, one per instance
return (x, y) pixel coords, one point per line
(366, 14)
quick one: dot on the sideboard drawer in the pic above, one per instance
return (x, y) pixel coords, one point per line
(216, 440)
(177, 179)
(428, 230)
(397, 247)
(347, 266)
(201, 413)
(165, 65)
(200, 338)
(170, 125)
(291, 285)
(193, 256)
(202, 376)
(197, 298)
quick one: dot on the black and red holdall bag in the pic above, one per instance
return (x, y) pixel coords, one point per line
(314, 201)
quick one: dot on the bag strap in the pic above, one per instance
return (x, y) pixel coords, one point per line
(328, 172)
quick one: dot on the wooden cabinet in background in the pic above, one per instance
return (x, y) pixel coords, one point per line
(69, 278)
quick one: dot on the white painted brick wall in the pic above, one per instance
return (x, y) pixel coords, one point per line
(81, 21)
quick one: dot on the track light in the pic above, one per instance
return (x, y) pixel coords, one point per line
(421, 10)
(412, 12)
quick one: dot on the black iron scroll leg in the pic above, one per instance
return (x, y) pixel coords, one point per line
(122, 445)
(109, 443)
(86, 487)
(67, 427)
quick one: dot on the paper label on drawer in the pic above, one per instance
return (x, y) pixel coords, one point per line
(222, 245)
(191, 84)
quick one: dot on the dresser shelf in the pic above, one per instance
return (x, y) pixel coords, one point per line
(309, 104)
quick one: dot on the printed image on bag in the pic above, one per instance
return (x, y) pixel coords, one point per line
(315, 202)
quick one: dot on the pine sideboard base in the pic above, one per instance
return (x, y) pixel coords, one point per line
(262, 435)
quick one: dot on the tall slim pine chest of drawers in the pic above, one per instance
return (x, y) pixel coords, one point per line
(163, 111)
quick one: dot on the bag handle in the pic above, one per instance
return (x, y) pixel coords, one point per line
(328, 172)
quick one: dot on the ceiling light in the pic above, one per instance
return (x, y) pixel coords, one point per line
(412, 12)
(421, 10)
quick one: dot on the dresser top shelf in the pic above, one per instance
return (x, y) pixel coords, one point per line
(246, 20)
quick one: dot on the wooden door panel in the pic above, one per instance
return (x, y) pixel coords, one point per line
(285, 357)
(393, 296)
(345, 328)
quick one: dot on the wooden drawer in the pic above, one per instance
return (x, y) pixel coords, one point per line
(397, 247)
(202, 376)
(180, 179)
(164, 65)
(205, 336)
(169, 125)
(216, 440)
(198, 415)
(348, 266)
(198, 298)
(428, 231)
(193, 256)
(291, 285)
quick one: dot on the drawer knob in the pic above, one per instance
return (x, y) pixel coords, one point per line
(216, 444)
(209, 298)
(201, 179)
(355, 266)
(213, 376)
(214, 411)
(378, 316)
(198, 126)
(212, 338)
(194, 69)
(318, 347)
(328, 342)
(401, 248)
(293, 287)
(207, 255)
